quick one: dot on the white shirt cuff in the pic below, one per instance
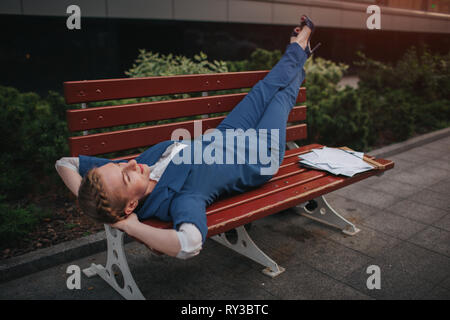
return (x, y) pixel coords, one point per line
(190, 240)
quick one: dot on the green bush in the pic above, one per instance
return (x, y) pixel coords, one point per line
(407, 98)
(34, 132)
(339, 120)
(336, 116)
(425, 76)
(17, 221)
(260, 59)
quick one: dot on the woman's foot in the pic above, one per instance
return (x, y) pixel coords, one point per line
(295, 33)
(302, 37)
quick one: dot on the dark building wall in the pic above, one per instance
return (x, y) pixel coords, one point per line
(39, 53)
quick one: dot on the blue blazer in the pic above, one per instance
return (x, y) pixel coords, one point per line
(185, 190)
(158, 202)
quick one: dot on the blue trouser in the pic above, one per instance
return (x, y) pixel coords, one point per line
(268, 104)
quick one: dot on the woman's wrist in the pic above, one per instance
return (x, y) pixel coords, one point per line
(130, 225)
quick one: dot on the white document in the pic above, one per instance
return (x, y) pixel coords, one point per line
(336, 161)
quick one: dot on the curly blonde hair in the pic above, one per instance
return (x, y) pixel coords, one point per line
(96, 203)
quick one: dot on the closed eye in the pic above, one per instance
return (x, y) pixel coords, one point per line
(125, 176)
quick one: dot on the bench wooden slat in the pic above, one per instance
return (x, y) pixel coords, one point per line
(102, 143)
(229, 213)
(288, 153)
(247, 212)
(290, 158)
(109, 116)
(112, 89)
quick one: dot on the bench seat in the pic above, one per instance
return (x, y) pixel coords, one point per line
(292, 185)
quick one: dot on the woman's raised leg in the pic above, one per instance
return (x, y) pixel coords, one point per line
(274, 119)
(249, 111)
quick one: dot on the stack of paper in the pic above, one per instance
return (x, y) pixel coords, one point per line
(335, 161)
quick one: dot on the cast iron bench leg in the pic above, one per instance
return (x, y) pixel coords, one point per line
(245, 246)
(116, 259)
(319, 210)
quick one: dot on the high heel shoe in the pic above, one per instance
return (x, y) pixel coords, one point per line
(305, 21)
(296, 31)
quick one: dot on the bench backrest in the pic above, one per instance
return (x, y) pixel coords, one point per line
(115, 139)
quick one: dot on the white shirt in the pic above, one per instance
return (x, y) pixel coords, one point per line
(188, 234)
(157, 170)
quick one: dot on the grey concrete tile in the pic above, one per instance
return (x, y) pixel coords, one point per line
(416, 211)
(437, 293)
(395, 284)
(394, 225)
(419, 262)
(445, 157)
(417, 155)
(329, 257)
(291, 244)
(437, 145)
(50, 284)
(443, 223)
(440, 163)
(370, 197)
(368, 241)
(428, 151)
(442, 186)
(418, 179)
(446, 283)
(219, 284)
(432, 199)
(303, 282)
(435, 239)
(400, 164)
(395, 188)
(440, 144)
(431, 173)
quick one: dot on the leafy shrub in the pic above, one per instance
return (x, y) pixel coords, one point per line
(335, 116)
(35, 134)
(154, 64)
(424, 75)
(16, 221)
(406, 98)
(260, 59)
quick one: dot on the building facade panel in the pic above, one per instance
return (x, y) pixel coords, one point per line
(201, 10)
(140, 9)
(88, 8)
(250, 12)
(395, 15)
(354, 19)
(286, 14)
(10, 7)
(326, 17)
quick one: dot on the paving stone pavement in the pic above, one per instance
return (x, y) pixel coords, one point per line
(404, 217)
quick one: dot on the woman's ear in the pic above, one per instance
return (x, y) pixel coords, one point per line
(131, 205)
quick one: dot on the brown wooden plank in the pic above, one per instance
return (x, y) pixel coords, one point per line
(102, 143)
(235, 216)
(296, 132)
(111, 89)
(223, 215)
(288, 153)
(109, 116)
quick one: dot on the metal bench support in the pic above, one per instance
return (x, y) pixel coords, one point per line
(245, 246)
(319, 210)
(116, 262)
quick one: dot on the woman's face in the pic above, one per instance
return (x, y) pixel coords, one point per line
(128, 180)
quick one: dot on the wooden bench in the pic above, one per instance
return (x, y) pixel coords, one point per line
(292, 186)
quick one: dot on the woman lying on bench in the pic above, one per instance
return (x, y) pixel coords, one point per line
(122, 193)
